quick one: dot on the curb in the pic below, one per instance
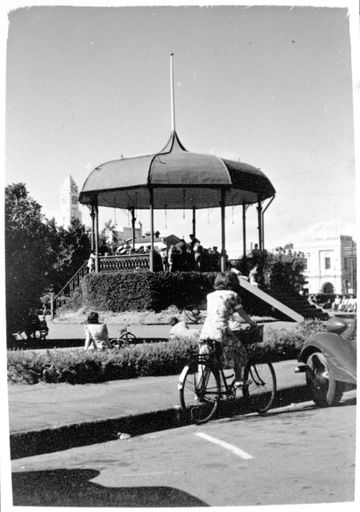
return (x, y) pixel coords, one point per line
(37, 442)
(52, 344)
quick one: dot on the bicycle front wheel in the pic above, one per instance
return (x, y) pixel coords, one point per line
(192, 316)
(128, 338)
(199, 389)
(260, 385)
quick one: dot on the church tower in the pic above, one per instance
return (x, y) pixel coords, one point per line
(69, 204)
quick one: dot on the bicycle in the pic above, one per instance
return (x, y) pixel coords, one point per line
(203, 383)
(193, 315)
(124, 339)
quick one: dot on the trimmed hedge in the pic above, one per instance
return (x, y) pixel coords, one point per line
(144, 290)
(79, 367)
(148, 359)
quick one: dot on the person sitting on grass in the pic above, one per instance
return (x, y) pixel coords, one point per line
(180, 330)
(221, 305)
(96, 334)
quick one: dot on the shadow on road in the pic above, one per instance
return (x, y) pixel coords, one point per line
(287, 409)
(72, 488)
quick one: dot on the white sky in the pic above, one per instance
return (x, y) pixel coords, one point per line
(270, 85)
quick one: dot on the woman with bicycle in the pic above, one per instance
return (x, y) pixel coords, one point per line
(221, 305)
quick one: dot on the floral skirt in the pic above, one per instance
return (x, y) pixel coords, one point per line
(234, 351)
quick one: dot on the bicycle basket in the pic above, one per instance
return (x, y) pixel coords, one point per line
(250, 336)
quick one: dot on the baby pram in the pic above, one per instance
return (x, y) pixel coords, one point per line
(34, 325)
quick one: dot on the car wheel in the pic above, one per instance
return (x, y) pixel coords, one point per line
(326, 391)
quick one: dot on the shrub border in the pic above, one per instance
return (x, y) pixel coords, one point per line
(147, 359)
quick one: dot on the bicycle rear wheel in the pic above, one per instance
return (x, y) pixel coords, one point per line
(199, 390)
(261, 387)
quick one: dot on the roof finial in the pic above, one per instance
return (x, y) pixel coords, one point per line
(172, 95)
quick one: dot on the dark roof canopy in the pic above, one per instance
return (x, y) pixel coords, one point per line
(179, 179)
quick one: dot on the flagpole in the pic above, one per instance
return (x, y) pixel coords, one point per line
(172, 95)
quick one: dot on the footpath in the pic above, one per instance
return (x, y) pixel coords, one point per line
(50, 417)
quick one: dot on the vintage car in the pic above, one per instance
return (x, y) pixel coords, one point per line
(330, 361)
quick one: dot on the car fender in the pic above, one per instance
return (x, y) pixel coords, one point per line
(340, 355)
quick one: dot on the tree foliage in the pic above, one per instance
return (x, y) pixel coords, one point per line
(72, 247)
(284, 268)
(39, 256)
(27, 253)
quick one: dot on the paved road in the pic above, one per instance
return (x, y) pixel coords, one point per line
(72, 335)
(295, 455)
(67, 331)
(32, 407)
(75, 331)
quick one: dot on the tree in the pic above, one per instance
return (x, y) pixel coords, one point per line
(28, 254)
(72, 247)
(39, 256)
(284, 267)
(109, 236)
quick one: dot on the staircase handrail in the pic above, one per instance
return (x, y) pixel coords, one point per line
(280, 306)
(70, 280)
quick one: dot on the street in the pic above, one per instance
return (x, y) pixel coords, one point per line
(69, 335)
(62, 330)
(298, 454)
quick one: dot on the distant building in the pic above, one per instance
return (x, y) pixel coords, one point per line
(330, 264)
(69, 205)
(116, 238)
(159, 241)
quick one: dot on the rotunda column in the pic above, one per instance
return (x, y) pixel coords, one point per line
(152, 266)
(96, 211)
(223, 250)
